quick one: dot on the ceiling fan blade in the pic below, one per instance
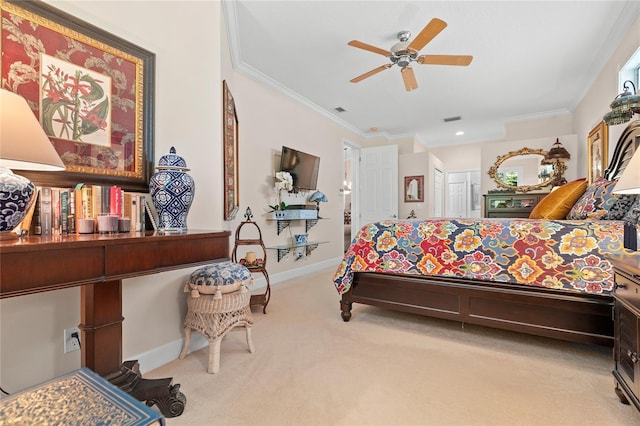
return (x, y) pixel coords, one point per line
(409, 78)
(462, 60)
(427, 34)
(370, 48)
(370, 73)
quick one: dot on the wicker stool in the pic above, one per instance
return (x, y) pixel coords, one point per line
(214, 315)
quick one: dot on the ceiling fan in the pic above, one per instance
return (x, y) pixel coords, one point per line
(404, 53)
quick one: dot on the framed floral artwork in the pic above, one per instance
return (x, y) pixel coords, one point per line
(414, 189)
(91, 91)
(597, 148)
(230, 146)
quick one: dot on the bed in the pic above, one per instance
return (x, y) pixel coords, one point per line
(538, 276)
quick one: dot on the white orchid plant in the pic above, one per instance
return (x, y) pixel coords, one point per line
(283, 180)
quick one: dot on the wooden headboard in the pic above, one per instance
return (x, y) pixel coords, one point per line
(626, 146)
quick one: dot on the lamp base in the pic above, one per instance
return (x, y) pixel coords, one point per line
(16, 195)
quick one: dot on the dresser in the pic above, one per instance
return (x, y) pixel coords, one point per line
(507, 205)
(626, 350)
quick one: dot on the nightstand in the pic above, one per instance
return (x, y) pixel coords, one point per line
(626, 328)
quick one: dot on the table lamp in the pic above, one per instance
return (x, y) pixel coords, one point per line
(23, 146)
(629, 182)
(318, 197)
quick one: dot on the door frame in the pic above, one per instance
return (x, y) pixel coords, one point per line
(355, 184)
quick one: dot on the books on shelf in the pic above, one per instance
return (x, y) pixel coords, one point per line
(57, 211)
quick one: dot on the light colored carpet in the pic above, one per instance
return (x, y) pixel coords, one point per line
(389, 368)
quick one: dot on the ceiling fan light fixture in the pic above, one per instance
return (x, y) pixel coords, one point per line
(404, 61)
(404, 53)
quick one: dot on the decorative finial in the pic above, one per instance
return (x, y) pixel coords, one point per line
(248, 214)
(172, 150)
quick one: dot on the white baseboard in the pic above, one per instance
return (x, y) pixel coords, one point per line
(303, 269)
(170, 351)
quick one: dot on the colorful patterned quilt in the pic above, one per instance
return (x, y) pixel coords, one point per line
(558, 254)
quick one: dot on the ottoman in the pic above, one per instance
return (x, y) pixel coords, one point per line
(218, 301)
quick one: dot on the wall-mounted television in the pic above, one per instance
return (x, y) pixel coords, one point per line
(303, 168)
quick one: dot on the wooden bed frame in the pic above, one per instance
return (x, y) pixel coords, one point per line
(544, 312)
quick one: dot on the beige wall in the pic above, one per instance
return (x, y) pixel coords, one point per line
(605, 88)
(413, 165)
(269, 119)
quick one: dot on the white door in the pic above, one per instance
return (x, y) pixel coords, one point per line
(438, 190)
(378, 183)
(457, 203)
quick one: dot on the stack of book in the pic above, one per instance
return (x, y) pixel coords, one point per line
(57, 211)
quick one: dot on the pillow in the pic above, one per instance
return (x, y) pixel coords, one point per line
(620, 207)
(596, 201)
(558, 203)
(632, 216)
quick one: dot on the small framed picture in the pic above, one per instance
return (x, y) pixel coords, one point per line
(414, 189)
(597, 145)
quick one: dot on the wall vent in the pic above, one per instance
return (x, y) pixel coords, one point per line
(447, 120)
(340, 109)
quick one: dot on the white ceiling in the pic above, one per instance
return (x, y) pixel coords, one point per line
(530, 59)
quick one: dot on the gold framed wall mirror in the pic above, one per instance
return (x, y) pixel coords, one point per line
(526, 170)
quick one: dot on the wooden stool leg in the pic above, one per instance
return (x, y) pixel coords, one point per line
(249, 340)
(187, 341)
(214, 356)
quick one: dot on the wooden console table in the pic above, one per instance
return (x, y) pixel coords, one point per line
(98, 263)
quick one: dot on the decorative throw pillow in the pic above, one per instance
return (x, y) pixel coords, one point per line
(620, 207)
(558, 203)
(633, 214)
(596, 201)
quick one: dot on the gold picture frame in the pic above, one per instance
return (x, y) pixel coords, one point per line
(230, 146)
(597, 148)
(106, 82)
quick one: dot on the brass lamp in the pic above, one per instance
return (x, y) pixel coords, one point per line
(25, 146)
(557, 152)
(557, 156)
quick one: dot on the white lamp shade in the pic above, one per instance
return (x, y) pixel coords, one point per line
(23, 143)
(629, 182)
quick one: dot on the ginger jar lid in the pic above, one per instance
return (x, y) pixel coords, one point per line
(172, 161)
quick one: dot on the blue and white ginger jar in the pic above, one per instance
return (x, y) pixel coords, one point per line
(172, 191)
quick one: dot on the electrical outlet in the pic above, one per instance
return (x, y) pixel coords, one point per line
(71, 343)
